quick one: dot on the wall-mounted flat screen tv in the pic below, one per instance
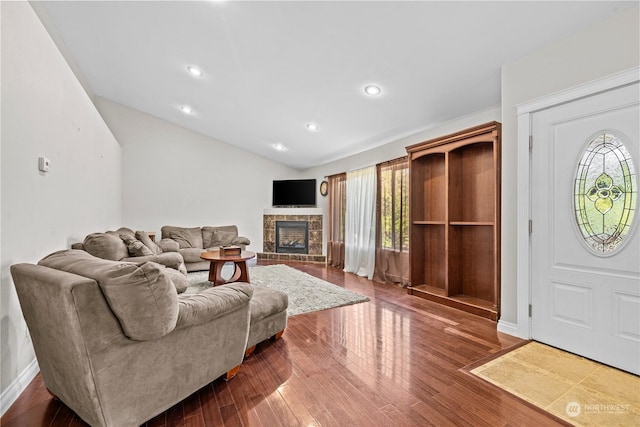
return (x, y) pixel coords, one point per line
(294, 192)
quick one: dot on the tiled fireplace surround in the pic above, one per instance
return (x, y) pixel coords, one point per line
(269, 219)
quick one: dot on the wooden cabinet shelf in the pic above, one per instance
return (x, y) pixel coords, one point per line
(455, 220)
(429, 222)
(471, 223)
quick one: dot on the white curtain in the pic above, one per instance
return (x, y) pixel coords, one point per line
(360, 224)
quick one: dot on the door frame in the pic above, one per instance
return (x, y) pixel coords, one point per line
(524, 114)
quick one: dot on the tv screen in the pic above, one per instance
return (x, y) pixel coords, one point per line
(294, 192)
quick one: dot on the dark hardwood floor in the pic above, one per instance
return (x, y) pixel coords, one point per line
(394, 361)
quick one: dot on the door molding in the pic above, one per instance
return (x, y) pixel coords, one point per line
(523, 243)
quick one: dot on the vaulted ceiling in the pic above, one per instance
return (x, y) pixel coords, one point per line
(271, 68)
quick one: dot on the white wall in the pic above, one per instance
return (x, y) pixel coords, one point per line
(173, 176)
(601, 50)
(45, 112)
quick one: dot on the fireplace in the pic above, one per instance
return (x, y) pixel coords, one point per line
(292, 237)
(313, 220)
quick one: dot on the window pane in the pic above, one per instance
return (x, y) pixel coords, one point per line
(605, 193)
(394, 207)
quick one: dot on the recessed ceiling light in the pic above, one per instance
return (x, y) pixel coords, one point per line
(186, 109)
(372, 90)
(279, 147)
(312, 127)
(195, 71)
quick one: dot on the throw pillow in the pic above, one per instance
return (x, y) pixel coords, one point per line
(224, 237)
(218, 238)
(107, 245)
(135, 246)
(126, 231)
(184, 239)
(146, 240)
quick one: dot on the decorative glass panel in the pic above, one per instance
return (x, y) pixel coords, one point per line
(605, 194)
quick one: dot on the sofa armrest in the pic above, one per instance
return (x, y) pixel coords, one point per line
(195, 309)
(140, 259)
(169, 259)
(169, 245)
(52, 303)
(241, 240)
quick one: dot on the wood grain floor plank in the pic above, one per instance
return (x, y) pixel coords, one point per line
(297, 397)
(228, 408)
(210, 409)
(194, 421)
(175, 415)
(192, 406)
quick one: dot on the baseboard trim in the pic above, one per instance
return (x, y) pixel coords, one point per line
(15, 389)
(509, 329)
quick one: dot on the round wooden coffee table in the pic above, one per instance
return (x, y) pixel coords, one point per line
(240, 272)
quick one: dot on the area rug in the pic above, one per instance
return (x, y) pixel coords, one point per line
(577, 390)
(306, 293)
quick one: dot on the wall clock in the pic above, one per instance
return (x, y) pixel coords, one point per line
(324, 188)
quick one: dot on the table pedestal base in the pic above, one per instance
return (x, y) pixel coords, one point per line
(240, 272)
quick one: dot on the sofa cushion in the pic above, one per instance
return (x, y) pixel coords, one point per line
(107, 245)
(142, 297)
(214, 237)
(191, 254)
(168, 245)
(173, 262)
(267, 302)
(144, 238)
(212, 303)
(179, 279)
(226, 241)
(208, 238)
(222, 238)
(187, 237)
(170, 259)
(126, 231)
(135, 246)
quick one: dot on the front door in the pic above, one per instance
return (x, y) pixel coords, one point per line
(585, 243)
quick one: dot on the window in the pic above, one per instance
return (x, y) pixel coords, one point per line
(392, 221)
(393, 205)
(605, 194)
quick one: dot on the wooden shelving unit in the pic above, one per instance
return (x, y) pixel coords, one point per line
(455, 220)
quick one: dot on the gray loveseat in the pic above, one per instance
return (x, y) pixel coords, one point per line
(117, 344)
(190, 242)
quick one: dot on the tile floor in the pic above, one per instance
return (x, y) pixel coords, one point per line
(578, 390)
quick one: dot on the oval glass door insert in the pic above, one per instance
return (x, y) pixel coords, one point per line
(605, 194)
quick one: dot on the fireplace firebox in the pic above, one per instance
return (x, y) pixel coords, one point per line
(292, 237)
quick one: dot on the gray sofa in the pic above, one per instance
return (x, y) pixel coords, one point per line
(190, 242)
(117, 344)
(128, 246)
